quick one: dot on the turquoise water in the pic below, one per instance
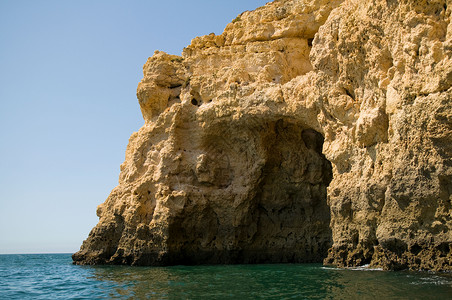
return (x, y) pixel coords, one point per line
(52, 276)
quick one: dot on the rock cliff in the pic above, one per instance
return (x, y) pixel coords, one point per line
(308, 130)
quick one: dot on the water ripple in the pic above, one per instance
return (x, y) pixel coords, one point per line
(52, 276)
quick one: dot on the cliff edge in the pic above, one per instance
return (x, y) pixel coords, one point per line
(308, 131)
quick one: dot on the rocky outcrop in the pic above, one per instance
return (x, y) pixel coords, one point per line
(308, 130)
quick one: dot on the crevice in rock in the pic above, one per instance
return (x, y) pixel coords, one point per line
(293, 215)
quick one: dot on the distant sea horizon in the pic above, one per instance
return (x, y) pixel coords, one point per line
(37, 253)
(53, 276)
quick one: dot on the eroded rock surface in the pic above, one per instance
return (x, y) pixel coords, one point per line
(308, 130)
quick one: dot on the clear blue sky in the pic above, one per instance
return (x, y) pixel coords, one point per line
(68, 77)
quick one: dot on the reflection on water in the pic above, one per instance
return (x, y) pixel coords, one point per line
(308, 281)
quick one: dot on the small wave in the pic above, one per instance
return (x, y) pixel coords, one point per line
(358, 268)
(329, 268)
(364, 268)
(436, 280)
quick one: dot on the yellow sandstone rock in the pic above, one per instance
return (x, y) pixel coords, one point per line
(307, 131)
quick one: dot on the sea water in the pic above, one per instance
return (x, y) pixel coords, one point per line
(53, 276)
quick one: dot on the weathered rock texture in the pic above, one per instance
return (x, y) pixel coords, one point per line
(308, 130)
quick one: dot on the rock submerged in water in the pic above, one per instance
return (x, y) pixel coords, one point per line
(308, 131)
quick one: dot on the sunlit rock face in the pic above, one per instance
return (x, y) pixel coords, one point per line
(308, 131)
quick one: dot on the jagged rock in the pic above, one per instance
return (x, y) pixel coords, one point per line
(307, 130)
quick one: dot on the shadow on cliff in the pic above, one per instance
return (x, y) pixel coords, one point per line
(283, 218)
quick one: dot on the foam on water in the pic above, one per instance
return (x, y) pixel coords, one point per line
(359, 268)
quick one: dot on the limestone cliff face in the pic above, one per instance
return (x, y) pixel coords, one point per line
(308, 130)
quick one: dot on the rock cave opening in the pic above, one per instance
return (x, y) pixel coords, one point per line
(283, 218)
(292, 215)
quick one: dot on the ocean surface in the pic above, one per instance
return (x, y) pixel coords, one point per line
(52, 276)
